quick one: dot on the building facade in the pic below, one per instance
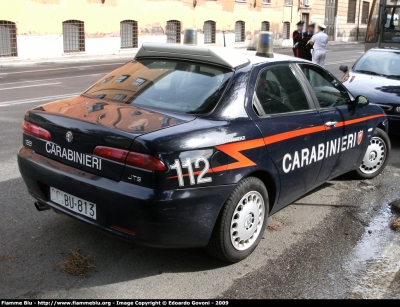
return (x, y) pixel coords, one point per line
(346, 20)
(55, 28)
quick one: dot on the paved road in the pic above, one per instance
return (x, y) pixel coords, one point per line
(336, 55)
(333, 243)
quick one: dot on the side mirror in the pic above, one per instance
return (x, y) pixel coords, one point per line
(362, 101)
(343, 68)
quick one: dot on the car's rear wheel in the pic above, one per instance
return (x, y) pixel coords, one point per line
(376, 157)
(241, 223)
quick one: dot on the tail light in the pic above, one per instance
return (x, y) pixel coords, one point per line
(145, 161)
(36, 131)
(135, 159)
(114, 154)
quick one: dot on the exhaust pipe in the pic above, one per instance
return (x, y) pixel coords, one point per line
(41, 207)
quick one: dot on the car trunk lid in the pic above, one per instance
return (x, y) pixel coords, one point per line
(79, 124)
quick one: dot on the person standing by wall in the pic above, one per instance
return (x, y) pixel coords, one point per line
(319, 41)
(297, 39)
(306, 51)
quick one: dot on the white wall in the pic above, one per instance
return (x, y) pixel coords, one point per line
(43, 46)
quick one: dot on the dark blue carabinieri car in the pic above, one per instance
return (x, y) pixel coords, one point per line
(188, 146)
(376, 75)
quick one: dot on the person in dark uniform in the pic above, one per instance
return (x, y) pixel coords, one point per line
(297, 38)
(305, 53)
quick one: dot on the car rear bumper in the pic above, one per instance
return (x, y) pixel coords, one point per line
(173, 219)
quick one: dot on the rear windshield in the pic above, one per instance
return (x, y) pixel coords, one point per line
(383, 63)
(172, 85)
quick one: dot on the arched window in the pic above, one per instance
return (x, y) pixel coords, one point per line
(173, 30)
(73, 36)
(265, 26)
(286, 30)
(8, 39)
(239, 31)
(209, 32)
(129, 34)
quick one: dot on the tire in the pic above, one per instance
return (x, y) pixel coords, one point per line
(235, 235)
(376, 157)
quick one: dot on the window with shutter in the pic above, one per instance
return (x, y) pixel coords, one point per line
(365, 12)
(239, 31)
(209, 32)
(173, 31)
(286, 30)
(265, 26)
(351, 11)
(129, 34)
(73, 36)
(8, 39)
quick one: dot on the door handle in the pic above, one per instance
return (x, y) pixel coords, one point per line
(330, 124)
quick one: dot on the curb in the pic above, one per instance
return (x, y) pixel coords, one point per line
(17, 62)
(77, 59)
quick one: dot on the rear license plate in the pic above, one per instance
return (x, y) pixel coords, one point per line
(73, 203)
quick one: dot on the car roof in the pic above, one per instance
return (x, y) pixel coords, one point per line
(254, 59)
(228, 57)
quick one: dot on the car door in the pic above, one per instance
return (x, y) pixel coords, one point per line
(344, 122)
(291, 126)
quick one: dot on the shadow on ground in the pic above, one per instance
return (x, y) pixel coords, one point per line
(33, 243)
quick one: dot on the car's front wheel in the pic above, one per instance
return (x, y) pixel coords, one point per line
(376, 157)
(241, 223)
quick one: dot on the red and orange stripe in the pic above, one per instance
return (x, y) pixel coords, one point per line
(234, 149)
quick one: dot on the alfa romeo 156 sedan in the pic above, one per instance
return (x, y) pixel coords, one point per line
(189, 146)
(376, 74)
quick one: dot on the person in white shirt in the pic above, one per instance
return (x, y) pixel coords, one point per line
(319, 41)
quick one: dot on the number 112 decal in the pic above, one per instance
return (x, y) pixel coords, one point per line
(188, 164)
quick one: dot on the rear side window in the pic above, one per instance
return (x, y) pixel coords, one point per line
(279, 91)
(172, 85)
